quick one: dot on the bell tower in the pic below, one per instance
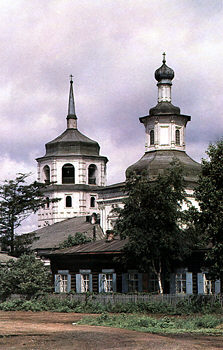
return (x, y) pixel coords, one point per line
(165, 129)
(74, 171)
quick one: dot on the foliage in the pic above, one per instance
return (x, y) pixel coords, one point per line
(17, 201)
(152, 219)
(199, 324)
(26, 276)
(209, 220)
(78, 238)
(57, 303)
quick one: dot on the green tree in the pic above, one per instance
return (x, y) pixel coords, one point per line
(26, 276)
(152, 219)
(209, 220)
(78, 238)
(17, 201)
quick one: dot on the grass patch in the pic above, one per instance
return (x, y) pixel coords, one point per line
(207, 324)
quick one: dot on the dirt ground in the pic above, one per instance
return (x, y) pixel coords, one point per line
(56, 331)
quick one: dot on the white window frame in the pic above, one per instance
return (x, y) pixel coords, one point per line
(85, 282)
(181, 282)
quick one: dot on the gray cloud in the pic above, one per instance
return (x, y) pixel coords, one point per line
(112, 49)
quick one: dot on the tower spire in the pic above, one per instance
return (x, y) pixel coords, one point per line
(71, 117)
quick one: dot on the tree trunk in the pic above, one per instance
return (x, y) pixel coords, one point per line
(160, 282)
(157, 272)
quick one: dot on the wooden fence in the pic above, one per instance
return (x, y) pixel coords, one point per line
(170, 299)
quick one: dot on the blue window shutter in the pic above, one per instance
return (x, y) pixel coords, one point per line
(217, 286)
(57, 283)
(114, 282)
(90, 283)
(200, 283)
(68, 283)
(100, 283)
(78, 283)
(189, 283)
(172, 283)
(139, 282)
(125, 288)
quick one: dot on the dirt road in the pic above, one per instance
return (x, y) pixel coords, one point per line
(57, 331)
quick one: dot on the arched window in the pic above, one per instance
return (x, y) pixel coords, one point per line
(151, 134)
(177, 136)
(92, 172)
(68, 202)
(68, 174)
(47, 202)
(46, 174)
(92, 202)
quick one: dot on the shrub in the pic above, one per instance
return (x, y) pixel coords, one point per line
(26, 276)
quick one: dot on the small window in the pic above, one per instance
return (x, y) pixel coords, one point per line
(153, 283)
(177, 134)
(68, 174)
(46, 174)
(151, 137)
(47, 202)
(133, 282)
(85, 283)
(62, 283)
(107, 281)
(181, 283)
(92, 203)
(68, 202)
(92, 172)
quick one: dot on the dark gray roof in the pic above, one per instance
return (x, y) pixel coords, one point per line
(156, 161)
(4, 258)
(163, 108)
(112, 191)
(50, 237)
(102, 246)
(72, 142)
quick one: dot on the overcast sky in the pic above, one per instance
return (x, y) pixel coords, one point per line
(112, 48)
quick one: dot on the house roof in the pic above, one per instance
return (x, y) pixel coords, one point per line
(50, 237)
(102, 246)
(4, 258)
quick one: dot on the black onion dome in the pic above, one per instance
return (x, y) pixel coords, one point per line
(164, 73)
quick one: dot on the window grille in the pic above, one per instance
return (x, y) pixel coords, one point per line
(68, 173)
(177, 134)
(181, 283)
(133, 282)
(151, 137)
(85, 285)
(63, 283)
(92, 169)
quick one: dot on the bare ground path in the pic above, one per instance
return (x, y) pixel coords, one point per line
(54, 331)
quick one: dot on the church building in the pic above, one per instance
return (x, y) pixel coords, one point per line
(165, 129)
(76, 173)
